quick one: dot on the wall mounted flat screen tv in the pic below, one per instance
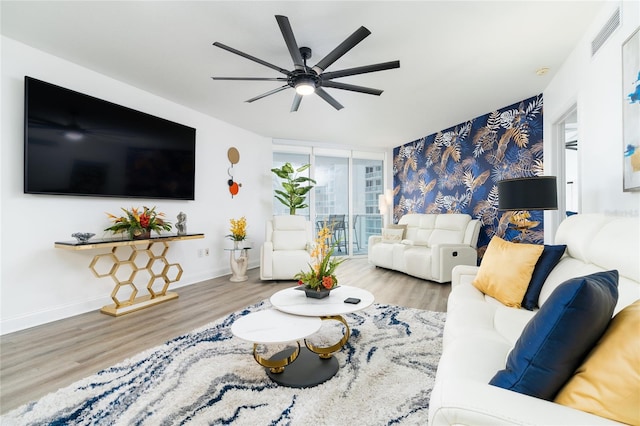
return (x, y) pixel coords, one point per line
(75, 144)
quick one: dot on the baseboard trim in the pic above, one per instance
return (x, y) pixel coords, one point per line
(34, 319)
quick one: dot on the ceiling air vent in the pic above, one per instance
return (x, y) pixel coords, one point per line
(605, 32)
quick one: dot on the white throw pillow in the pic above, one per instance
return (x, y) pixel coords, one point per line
(392, 235)
(289, 240)
(289, 222)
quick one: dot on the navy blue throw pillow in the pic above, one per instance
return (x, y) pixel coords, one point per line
(556, 340)
(546, 262)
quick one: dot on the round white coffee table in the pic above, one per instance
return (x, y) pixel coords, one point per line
(272, 326)
(293, 301)
(332, 307)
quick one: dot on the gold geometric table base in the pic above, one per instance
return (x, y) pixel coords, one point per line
(143, 257)
(137, 304)
(132, 262)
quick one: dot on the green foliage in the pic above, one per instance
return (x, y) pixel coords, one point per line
(294, 187)
(136, 223)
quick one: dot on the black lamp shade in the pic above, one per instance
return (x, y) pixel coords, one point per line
(530, 193)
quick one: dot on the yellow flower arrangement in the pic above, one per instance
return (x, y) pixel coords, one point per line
(238, 229)
(322, 273)
(136, 222)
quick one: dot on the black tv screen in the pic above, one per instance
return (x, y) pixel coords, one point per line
(76, 144)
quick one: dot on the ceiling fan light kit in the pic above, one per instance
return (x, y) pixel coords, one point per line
(305, 80)
(305, 87)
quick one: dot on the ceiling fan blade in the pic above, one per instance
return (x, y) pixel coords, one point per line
(327, 97)
(250, 78)
(251, 58)
(352, 87)
(296, 102)
(290, 40)
(355, 38)
(361, 70)
(270, 92)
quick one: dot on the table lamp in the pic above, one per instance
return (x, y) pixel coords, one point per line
(524, 194)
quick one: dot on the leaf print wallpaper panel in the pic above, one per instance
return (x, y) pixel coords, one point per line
(456, 170)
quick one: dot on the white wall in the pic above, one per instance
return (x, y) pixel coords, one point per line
(40, 283)
(594, 84)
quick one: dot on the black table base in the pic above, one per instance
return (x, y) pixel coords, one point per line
(306, 371)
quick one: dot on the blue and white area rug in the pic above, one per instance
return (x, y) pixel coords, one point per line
(209, 377)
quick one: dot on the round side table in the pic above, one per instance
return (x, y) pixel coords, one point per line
(238, 264)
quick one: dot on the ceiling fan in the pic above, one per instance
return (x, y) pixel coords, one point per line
(307, 80)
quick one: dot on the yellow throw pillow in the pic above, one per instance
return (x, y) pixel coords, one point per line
(607, 384)
(506, 269)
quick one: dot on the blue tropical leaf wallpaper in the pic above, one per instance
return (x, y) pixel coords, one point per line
(457, 169)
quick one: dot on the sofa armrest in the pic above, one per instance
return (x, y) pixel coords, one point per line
(266, 260)
(462, 274)
(466, 402)
(373, 240)
(446, 256)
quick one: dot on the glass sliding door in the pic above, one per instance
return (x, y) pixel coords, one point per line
(345, 197)
(367, 184)
(332, 199)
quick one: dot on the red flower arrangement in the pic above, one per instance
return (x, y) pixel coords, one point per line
(137, 223)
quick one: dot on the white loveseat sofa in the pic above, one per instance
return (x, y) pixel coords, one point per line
(286, 249)
(480, 331)
(432, 244)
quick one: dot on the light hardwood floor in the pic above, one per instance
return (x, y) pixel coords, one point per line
(42, 359)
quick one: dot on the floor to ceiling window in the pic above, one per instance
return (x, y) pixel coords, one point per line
(332, 199)
(367, 184)
(345, 197)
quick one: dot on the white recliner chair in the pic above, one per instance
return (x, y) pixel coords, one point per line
(287, 246)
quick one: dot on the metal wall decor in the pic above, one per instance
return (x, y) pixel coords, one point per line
(234, 157)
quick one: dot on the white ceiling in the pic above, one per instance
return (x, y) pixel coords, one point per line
(458, 59)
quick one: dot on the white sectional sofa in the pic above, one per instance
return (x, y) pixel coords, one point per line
(431, 245)
(480, 332)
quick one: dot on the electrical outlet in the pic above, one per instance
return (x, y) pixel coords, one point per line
(200, 252)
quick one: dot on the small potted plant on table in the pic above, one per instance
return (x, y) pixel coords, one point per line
(139, 224)
(321, 279)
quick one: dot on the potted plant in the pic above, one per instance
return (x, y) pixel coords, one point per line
(139, 224)
(238, 231)
(321, 278)
(294, 187)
